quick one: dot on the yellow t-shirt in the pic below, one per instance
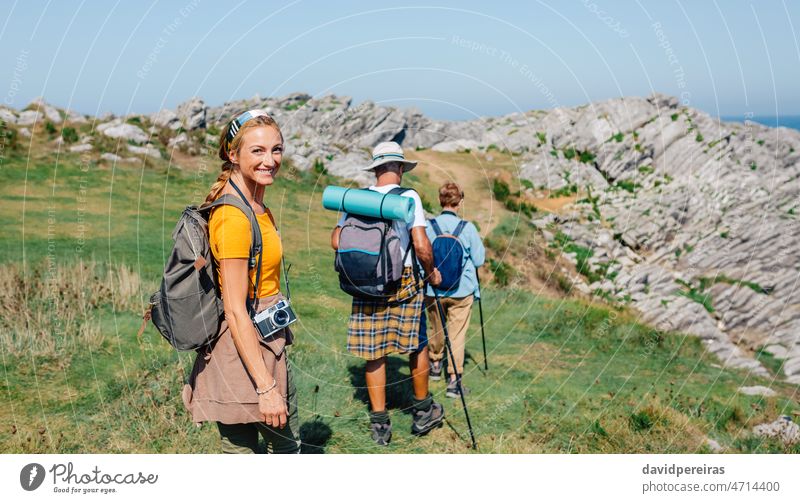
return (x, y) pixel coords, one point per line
(229, 235)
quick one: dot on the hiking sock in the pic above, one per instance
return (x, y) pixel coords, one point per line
(381, 417)
(423, 404)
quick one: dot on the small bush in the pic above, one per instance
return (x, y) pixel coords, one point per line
(519, 206)
(502, 272)
(9, 138)
(698, 138)
(586, 157)
(319, 167)
(618, 137)
(69, 134)
(628, 185)
(50, 128)
(640, 421)
(500, 190)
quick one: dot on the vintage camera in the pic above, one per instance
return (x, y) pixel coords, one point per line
(274, 318)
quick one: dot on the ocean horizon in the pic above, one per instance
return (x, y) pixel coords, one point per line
(789, 121)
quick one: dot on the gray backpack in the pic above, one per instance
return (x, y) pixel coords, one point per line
(187, 310)
(369, 259)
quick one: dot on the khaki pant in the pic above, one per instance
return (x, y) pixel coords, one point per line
(457, 312)
(242, 438)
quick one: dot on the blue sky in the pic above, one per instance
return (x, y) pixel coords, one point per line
(452, 60)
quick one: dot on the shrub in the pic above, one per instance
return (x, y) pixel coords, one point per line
(69, 134)
(586, 157)
(9, 138)
(628, 185)
(698, 138)
(319, 167)
(519, 206)
(502, 271)
(640, 421)
(50, 128)
(618, 137)
(500, 190)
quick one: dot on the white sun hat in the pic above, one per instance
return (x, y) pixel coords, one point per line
(389, 151)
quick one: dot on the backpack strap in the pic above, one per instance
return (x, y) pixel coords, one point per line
(231, 200)
(459, 228)
(436, 228)
(256, 245)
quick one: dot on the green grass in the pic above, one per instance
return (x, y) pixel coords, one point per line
(565, 375)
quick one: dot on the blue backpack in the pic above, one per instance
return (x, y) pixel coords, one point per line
(448, 255)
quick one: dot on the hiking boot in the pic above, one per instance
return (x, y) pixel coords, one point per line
(435, 373)
(426, 420)
(452, 389)
(381, 433)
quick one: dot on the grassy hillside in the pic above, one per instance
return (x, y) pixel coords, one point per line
(83, 246)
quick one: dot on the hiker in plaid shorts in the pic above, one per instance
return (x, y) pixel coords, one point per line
(378, 328)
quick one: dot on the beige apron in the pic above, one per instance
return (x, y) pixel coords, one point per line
(221, 389)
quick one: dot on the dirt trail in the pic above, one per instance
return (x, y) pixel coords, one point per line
(474, 174)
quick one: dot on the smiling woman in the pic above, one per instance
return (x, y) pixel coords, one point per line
(243, 380)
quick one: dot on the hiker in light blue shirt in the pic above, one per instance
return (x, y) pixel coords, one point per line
(456, 303)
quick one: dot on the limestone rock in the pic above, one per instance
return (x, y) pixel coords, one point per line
(192, 113)
(147, 150)
(29, 117)
(782, 428)
(757, 390)
(124, 131)
(166, 119)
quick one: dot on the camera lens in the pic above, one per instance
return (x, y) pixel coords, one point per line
(280, 318)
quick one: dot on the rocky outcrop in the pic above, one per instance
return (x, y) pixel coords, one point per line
(121, 130)
(192, 113)
(688, 220)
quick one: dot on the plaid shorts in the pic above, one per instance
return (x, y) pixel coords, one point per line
(379, 328)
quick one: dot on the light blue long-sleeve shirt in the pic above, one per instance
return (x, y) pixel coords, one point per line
(473, 247)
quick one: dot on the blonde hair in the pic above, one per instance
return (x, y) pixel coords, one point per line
(225, 148)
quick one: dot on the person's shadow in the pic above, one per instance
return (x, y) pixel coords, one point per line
(314, 435)
(399, 392)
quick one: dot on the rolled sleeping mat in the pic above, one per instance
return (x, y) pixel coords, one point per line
(368, 203)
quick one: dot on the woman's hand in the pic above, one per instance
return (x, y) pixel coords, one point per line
(272, 405)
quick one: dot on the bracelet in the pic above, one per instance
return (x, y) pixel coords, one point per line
(264, 392)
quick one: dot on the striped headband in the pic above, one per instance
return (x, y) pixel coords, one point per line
(239, 121)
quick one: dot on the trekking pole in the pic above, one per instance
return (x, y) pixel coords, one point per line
(453, 362)
(480, 310)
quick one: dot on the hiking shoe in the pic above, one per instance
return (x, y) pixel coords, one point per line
(452, 389)
(426, 420)
(435, 373)
(381, 433)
